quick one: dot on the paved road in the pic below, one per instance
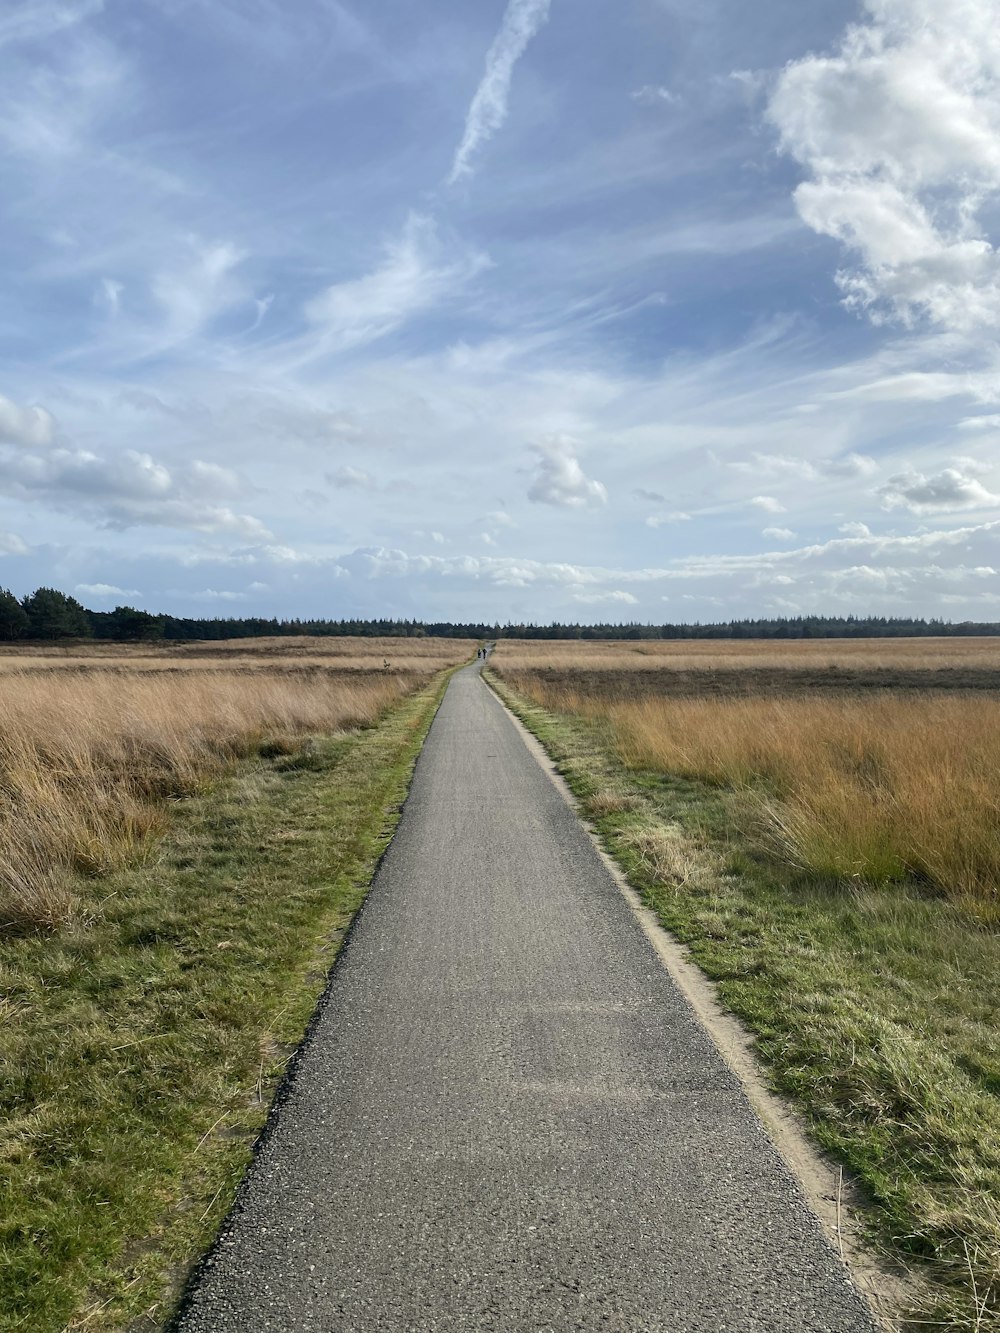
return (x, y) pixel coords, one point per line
(506, 1117)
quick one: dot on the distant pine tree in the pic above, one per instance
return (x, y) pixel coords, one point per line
(13, 618)
(53, 615)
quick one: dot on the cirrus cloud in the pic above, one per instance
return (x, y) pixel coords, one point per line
(488, 109)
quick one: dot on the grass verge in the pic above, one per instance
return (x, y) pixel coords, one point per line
(141, 1044)
(874, 1009)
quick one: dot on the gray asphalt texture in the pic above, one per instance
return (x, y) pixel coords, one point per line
(506, 1116)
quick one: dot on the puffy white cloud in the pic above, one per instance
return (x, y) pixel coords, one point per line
(954, 488)
(488, 109)
(779, 534)
(900, 133)
(128, 489)
(559, 478)
(854, 529)
(127, 475)
(416, 274)
(32, 427)
(768, 503)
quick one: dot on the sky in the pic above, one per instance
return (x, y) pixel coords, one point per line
(653, 310)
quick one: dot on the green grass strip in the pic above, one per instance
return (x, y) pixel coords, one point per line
(141, 1048)
(875, 1010)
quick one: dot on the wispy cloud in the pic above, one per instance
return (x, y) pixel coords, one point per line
(33, 19)
(416, 274)
(488, 109)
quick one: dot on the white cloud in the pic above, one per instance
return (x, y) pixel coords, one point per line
(855, 529)
(128, 489)
(661, 520)
(654, 94)
(560, 480)
(617, 597)
(900, 133)
(768, 503)
(198, 287)
(11, 544)
(29, 426)
(488, 109)
(805, 469)
(351, 478)
(106, 590)
(849, 465)
(214, 482)
(416, 274)
(217, 595)
(50, 106)
(953, 488)
(779, 534)
(29, 20)
(109, 295)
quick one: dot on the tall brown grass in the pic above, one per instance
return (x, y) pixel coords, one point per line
(869, 788)
(89, 760)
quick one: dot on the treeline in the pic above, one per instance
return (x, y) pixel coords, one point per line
(788, 627)
(51, 615)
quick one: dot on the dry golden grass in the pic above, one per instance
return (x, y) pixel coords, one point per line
(865, 787)
(270, 654)
(89, 756)
(757, 654)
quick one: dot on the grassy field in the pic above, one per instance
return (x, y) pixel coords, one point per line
(830, 854)
(183, 850)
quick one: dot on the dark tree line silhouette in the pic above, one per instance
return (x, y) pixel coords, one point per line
(48, 614)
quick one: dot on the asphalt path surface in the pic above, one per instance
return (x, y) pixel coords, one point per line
(505, 1115)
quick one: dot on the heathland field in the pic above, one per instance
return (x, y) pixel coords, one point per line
(820, 822)
(185, 833)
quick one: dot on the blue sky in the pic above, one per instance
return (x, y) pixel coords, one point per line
(528, 310)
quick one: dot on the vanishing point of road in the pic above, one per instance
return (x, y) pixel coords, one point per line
(506, 1117)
